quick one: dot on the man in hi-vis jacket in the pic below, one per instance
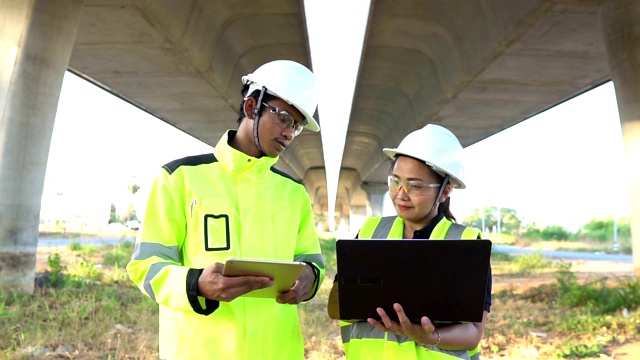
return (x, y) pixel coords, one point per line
(233, 203)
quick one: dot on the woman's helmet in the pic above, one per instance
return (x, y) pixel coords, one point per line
(289, 81)
(437, 147)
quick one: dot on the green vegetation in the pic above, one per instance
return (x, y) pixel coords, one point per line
(597, 234)
(503, 263)
(569, 317)
(83, 311)
(88, 309)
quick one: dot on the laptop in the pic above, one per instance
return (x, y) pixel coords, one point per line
(445, 280)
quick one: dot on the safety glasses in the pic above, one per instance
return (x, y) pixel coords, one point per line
(287, 121)
(411, 187)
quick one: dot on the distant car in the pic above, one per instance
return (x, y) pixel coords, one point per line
(133, 224)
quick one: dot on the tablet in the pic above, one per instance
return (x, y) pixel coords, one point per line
(283, 273)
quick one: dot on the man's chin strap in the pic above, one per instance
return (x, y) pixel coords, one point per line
(437, 202)
(256, 120)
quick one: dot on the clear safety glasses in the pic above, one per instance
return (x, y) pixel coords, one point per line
(411, 187)
(287, 121)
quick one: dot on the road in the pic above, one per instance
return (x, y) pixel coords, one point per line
(54, 242)
(559, 254)
(562, 254)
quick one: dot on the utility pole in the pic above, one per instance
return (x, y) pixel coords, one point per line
(615, 234)
(499, 228)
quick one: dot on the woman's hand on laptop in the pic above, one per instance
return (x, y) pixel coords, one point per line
(424, 333)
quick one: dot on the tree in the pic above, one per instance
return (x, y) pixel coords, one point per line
(113, 217)
(130, 215)
(551, 232)
(133, 188)
(508, 219)
(602, 229)
(510, 223)
(131, 211)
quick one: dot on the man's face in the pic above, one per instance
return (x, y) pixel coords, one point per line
(273, 131)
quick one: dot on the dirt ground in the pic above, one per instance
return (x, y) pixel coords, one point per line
(517, 284)
(583, 269)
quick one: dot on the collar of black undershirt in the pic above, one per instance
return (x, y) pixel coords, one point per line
(426, 231)
(231, 135)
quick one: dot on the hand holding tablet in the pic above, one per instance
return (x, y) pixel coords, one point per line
(283, 273)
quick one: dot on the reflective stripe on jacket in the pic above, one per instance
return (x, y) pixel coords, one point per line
(206, 209)
(363, 341)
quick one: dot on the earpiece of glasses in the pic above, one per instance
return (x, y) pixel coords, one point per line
(411, 187)
(287, 121)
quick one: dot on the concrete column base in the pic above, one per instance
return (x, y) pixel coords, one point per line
(17, 271)
(375, 196)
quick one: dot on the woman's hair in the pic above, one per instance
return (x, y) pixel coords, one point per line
(255, 94)
(443, 207)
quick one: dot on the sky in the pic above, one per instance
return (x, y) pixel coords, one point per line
(562, 167)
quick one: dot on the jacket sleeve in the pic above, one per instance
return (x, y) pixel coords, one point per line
(308, 244)
(156, 266)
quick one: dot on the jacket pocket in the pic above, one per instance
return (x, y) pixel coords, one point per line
(210, 221)
(216, 232)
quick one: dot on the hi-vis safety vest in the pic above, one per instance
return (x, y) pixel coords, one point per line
(364, 342)
(205, 209)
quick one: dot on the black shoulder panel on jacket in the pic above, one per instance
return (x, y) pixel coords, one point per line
(194, 160)
(282, 173)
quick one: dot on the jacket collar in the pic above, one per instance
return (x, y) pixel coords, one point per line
(235, 160)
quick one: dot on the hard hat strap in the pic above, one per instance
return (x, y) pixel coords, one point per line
(437, 201)
(256, 119)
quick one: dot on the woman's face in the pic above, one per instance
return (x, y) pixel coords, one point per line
(416, 188)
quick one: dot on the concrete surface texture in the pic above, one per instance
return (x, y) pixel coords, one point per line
(474, 66)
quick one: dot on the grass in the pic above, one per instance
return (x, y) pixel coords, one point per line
(90, 310)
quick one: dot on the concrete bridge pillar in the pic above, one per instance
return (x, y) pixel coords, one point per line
(375, 196)
(621, 27)
(36, 38)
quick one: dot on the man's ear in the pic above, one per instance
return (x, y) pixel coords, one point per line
(250, 108)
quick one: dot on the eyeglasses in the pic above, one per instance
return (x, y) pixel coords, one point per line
(411, 187)
(287, 121)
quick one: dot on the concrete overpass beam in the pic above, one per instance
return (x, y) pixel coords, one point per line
(375, 195)
(36, 39)
(621, 27)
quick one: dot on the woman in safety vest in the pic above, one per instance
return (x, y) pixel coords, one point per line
(426, 167)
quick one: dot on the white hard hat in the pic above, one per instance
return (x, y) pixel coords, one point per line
(437, 147)
(289, 81)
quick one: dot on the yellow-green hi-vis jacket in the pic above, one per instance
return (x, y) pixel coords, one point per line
(206, 209)
(363, 341)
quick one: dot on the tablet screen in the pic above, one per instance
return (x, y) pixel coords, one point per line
(283, 273)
